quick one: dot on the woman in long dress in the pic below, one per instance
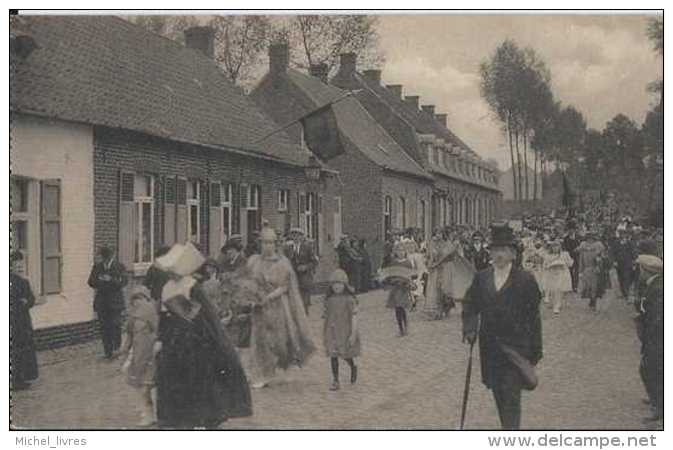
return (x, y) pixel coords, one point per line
(200, 381)
(23, 357)
(280, 330)
(450, 274)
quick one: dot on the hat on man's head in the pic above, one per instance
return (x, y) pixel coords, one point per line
(296, 230)
(650, 263)
(233, 243)
(502, 235)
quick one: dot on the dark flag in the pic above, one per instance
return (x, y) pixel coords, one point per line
(568, 195)
(321, 133)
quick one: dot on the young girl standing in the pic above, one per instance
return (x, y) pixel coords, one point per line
(341, 336)
(141, 334)
(399, 287)
(556, 275)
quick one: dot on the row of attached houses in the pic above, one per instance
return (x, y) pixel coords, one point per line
(123, 138)
(465, 189)
(374, 170)
(402, 167)
(126, 139)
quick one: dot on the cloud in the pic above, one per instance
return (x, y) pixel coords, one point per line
(601, 64)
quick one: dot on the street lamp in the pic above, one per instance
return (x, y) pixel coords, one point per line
(313, 169)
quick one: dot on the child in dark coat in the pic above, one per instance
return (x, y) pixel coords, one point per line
(341, 336)
(399, 287)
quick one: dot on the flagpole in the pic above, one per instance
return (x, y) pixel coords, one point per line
(289, 124)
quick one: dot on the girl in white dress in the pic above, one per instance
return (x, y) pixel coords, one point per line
(557, 276)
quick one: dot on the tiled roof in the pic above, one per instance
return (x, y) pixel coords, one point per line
(106, 71)
(420, 120)
(357, 125)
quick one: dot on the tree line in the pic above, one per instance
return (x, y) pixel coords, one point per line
(516, 84)
(241, 41)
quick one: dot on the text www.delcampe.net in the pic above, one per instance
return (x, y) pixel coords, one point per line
(561, 440)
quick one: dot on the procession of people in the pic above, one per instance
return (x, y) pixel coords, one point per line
(198, 334)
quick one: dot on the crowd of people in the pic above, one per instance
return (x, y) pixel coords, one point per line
(200, 333)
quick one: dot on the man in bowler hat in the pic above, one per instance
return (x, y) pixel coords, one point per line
(108, 277)
(502, 308)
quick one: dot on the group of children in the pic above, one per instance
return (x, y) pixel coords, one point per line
(551, 267)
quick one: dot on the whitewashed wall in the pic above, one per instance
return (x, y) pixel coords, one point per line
(44, 149)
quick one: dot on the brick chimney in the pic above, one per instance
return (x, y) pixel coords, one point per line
(429, 109)
(373, 75)
(442, 118)
(412, 100)
(202, 39)
(279, 57)
(348, 63)
(319, 71)
(396, 89)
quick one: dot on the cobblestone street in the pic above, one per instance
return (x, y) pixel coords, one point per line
(588, 380)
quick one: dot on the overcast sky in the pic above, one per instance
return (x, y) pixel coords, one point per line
(600, 64)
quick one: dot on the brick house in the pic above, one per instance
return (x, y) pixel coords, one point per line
(124, 138)
(466, 187)
(382, 187)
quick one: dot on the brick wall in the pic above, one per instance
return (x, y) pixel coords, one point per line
(361, 198)
(116, 150)
(359, 181)
(413, 190)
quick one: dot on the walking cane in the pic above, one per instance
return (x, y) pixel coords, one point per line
(466, 392)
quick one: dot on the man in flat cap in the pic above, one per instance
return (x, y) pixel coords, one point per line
(502, 307)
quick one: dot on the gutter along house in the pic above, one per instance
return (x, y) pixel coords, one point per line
(382, 186)
(126, 139)
(465, 187)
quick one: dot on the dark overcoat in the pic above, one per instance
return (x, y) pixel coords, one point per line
(510, 315)
(109, 295)
(23, 356)
(304, 257)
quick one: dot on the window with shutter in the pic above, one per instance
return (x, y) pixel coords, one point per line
(236, 208)
(337, 219)
(302, 211)
(227, 203)
(127, 220)
(283, 198)
(387, 216)
(181, 214)
(287, 217)
(421, 217)
(254, 213)
(243, 211)
(22, 222)
(215, 220)
(193, 195)
(143, 218)
(52, 256)
(169, 210)
(319, 227)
